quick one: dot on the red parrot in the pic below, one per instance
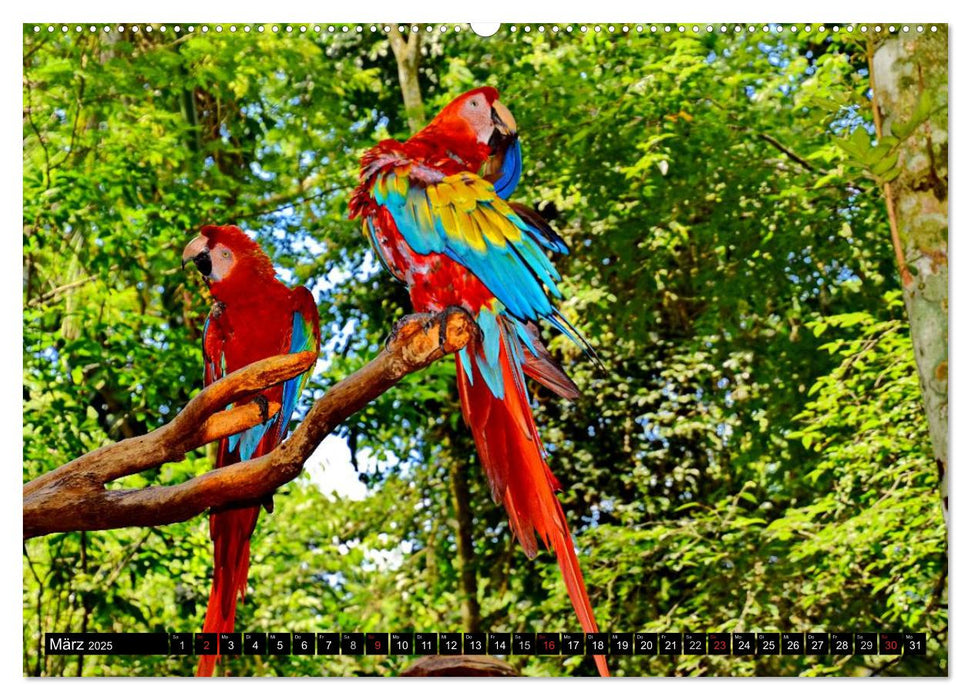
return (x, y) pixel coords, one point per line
(449, 234)
(254, 316)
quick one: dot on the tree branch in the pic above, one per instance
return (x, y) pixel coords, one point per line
(776, 144)
(459, 666)
(47, 296)
(278, 202)
(73, 497)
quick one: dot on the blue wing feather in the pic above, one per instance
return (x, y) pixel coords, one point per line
(466, 363)
(250, 439)
(301, 340)
(510, 171)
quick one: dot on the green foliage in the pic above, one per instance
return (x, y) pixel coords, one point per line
(754, 458)
(879, 160)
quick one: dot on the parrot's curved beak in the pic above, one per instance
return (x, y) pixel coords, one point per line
(198, 252)
(504, 131)
(504, 166)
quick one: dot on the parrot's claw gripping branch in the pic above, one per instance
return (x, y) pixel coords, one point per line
(394, 331)
(264, 407)
(73, 497)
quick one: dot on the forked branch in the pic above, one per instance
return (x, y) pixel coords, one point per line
(74, 497)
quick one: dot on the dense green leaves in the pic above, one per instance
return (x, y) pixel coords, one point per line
(754, 458)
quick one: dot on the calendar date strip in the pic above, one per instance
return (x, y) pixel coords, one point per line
(492, 643)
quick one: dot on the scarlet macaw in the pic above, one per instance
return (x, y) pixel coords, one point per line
(254, 316)
(450, 235)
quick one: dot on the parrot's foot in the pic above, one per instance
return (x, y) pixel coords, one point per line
(264, 405)
(443, 324)
(394, 332)
(443, 331)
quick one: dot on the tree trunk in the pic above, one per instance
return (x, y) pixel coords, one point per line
(458, 474)
(407, 55)
(910, 77)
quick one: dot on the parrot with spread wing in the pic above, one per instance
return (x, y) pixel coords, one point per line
(254, 316)
(449, 233)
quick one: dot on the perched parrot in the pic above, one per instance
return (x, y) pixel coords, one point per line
(449, 234)
(254, 316)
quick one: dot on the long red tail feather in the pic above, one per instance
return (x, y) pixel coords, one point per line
(230, 531)
(512, 454)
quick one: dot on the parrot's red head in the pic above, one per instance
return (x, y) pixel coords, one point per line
(473, 126)
(230, 260)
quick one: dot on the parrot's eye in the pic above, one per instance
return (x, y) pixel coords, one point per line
(225, 253)
(474, 103)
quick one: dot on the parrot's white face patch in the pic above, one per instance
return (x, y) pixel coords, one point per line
(477, 112)
(222, 262)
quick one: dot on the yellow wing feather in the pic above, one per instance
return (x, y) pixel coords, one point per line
(471, 212)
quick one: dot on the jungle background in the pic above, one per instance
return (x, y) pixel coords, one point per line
(755, 458)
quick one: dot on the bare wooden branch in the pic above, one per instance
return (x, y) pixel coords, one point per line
(73, 497)
(776, 144)
(459, 666)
